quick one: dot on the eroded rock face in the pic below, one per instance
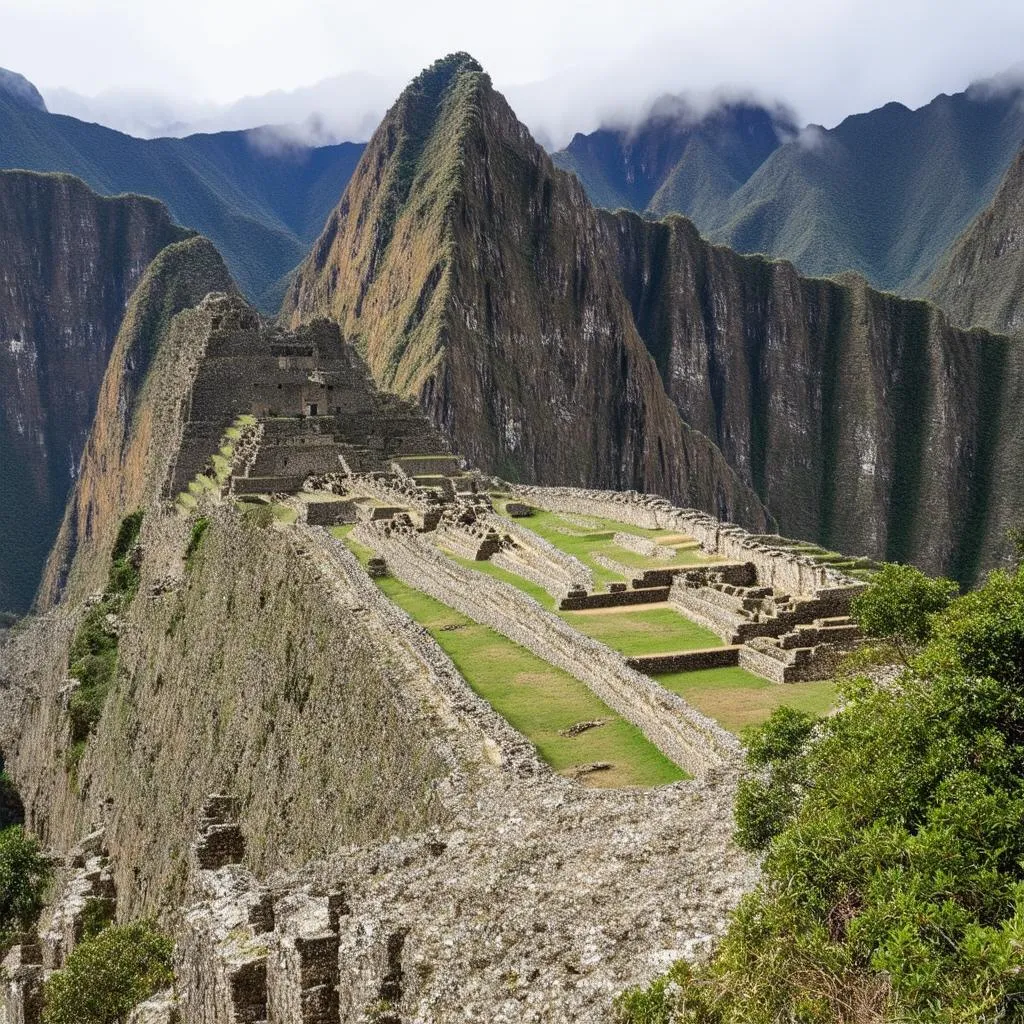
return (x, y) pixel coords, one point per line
(69, 260)
(480, 281)
(862, 420)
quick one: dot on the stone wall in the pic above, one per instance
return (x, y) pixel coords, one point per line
(686, 661)
(777, 567)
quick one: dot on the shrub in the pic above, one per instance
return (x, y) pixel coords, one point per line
(895, 888)
(899, 604)
(24, 874)
(107, 974)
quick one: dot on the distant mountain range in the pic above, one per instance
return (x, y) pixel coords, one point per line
(258, 196)
(883, 194)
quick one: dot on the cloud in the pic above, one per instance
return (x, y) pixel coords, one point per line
(566, 65)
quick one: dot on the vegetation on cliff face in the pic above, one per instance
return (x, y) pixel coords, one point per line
(92, 659)
(980, 281)
(71, 260)
(893, 882)
(24, 875)
(108, 974)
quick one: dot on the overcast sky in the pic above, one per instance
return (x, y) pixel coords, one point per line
(825, 58)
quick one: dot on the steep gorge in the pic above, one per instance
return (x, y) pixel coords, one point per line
(479, 280)
(69, 260)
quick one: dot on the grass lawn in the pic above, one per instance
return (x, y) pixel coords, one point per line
(736, 699)
(536, 698)
(599, 542)
(646, 631)
(535, 590)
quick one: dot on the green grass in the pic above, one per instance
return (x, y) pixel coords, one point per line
(599, 542)
(536, 698)
(650, 631)
(534, 590)
(737, 699)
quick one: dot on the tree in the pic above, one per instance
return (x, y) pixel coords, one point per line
(24, 874)
(108, 974)
(894, 888)
(898, 606)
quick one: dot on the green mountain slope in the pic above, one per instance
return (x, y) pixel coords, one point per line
(883, 194)
(980, 282)
(676, 161)
(260, 202)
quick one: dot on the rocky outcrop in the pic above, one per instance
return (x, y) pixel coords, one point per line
(469, 270)
(69, 260)
(980, 283)
(479, 280)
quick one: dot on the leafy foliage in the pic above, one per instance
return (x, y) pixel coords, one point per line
(24, 874)
(899, 604)
(107, 974)
(893, 883)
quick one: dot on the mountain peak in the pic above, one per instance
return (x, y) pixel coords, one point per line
(21, 89)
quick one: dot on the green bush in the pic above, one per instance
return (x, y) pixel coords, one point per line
(24, 874)
(895, 889)
(107, 974)
(765, 802)
(899, 605)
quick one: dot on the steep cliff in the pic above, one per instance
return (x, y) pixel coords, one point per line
(479, 280)
(68, 263)
(861, 419)
(135, 419)
(467, 268)
(980, 283)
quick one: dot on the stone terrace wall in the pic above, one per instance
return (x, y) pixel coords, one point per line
(682, 733)
(777, 567)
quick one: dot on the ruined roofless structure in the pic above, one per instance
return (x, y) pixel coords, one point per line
(319, 408)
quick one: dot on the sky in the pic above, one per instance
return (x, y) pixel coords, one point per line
(565, 64)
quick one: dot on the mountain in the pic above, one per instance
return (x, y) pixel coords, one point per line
(676, 161)
(980, 282)
(69, 260)
(258, 196)
(117, 469)
(554, 342)
(883, 194)
(468, 271)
